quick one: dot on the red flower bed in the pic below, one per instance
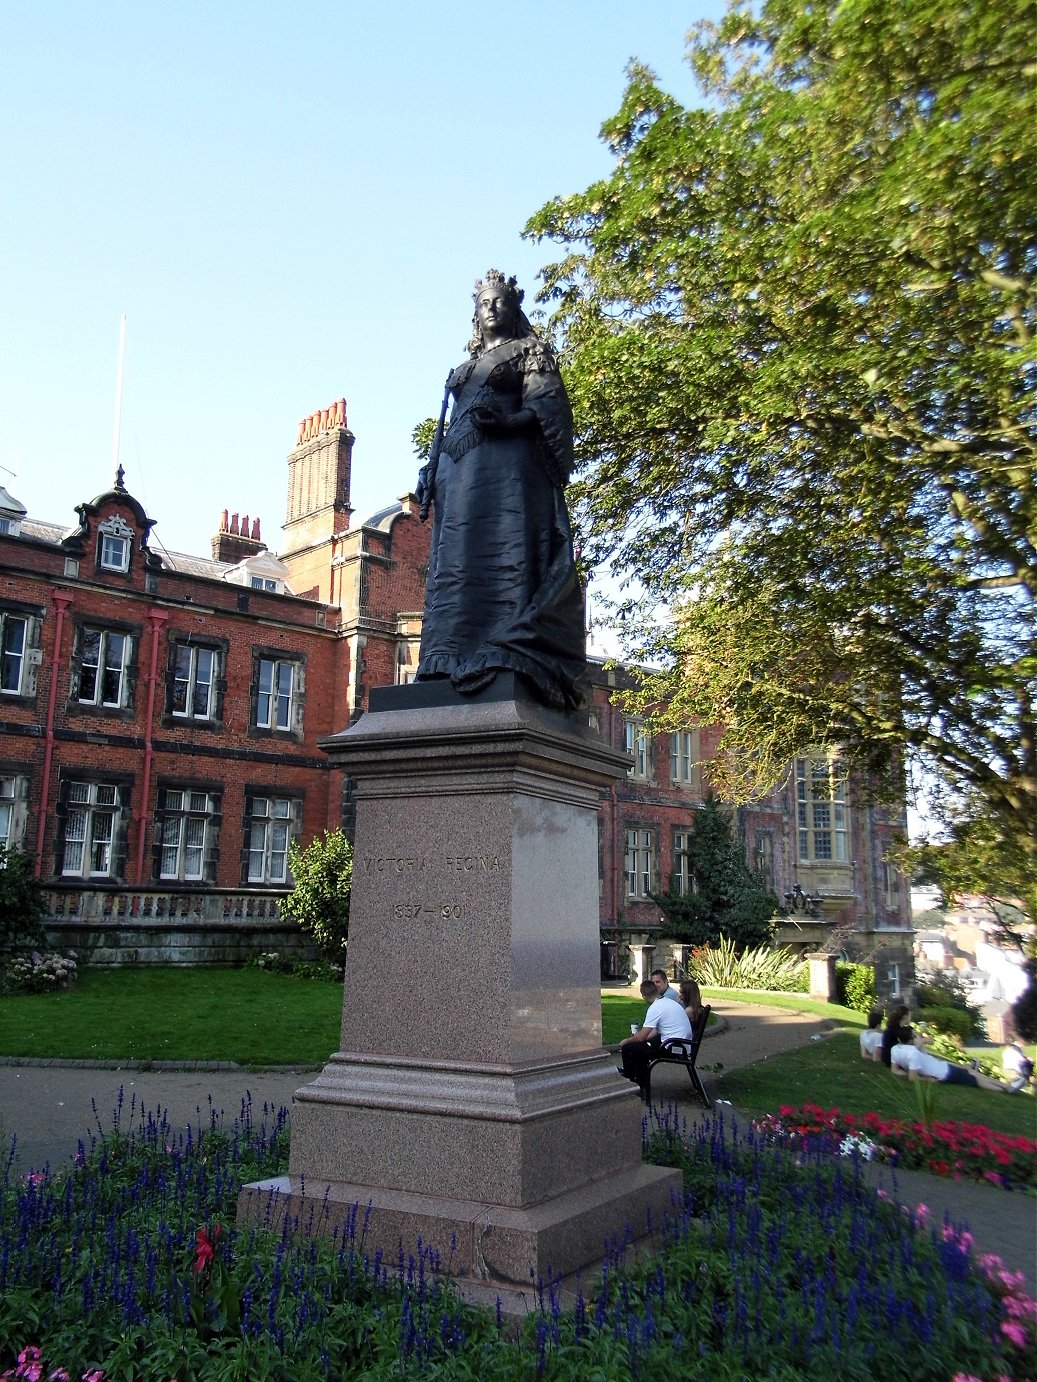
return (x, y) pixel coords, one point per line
(957, 1150)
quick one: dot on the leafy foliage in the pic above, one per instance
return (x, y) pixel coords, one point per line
(950, 1021)
(21, 899)
(319, 902)
(800, 327)
(943, 991)
(855, 986)
(977, 858)
(723, 966)
(727, 899)
(284, 962)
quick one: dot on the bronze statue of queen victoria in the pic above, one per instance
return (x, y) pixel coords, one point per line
(503, 591)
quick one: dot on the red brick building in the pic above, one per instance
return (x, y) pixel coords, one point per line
(161, 714)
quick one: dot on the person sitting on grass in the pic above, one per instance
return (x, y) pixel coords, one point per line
(911, 1059)
(1017, 1065)
(662, 986)
(663, 1022)
(896, 1017)
(691, 999)
(871, 1037)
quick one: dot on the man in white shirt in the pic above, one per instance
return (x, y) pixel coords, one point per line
(910, 1058)
(663, 987)
(663, 1022)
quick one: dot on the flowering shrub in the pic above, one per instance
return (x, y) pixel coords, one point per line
(278, 962)
(959, 1150)
(776, 1263)
(32, 1368)
(38, 971)
(1018, 1323)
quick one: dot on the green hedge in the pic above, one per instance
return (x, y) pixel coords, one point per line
(855, 986)
(951, 1021)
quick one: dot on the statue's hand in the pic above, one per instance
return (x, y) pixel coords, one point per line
(494, 424)
(423, 493)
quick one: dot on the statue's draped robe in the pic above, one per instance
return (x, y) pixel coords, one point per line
(502, 590)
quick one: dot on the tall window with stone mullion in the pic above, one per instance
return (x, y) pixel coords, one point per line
(822, 815)
(13, 634)
(187, 822)
(640, 861)
(89, 829)
(102, 667)
(193, 681)
(638, 744)
(681, 881)
(269, 833)
(274, 706)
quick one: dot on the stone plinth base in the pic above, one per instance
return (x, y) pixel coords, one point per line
(476, 1109)
(480, 1241)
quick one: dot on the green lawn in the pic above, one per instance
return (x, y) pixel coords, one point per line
(256, 1018)
(243, 1015)
(831, 1073)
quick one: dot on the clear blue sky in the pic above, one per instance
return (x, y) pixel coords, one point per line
(290, 202)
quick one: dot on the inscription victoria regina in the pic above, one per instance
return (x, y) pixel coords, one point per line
(417, 863)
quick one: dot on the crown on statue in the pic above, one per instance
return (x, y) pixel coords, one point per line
(495, 279)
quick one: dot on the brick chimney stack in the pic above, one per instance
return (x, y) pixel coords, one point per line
(318, 479)
(234, 542)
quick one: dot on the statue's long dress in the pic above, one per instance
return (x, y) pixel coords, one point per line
(502, 590)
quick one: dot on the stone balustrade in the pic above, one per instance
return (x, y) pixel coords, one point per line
(135, 926)
(63, 902)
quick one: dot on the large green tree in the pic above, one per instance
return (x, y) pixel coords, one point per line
(799, 325)
(725, 898)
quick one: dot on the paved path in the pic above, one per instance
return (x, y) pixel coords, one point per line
(50, 1107)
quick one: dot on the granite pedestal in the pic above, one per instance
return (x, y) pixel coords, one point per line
(475, 1107)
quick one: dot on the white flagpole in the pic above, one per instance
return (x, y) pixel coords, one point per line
(118, 398)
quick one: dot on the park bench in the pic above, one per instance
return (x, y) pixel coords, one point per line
(683, 1051)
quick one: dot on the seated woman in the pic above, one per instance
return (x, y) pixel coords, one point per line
(1017, 1065)
(910, 1058)
(896, 1017)
(871, 1037)
(691, 998)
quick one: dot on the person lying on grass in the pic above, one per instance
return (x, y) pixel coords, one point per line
(910, 1058)
(871, 1037)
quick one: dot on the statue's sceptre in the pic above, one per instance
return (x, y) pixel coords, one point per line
(427, 473)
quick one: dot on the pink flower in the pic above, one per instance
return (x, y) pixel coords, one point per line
(59, 1375)
(94, 1375)
(966, 1377)
(1014, 1332)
